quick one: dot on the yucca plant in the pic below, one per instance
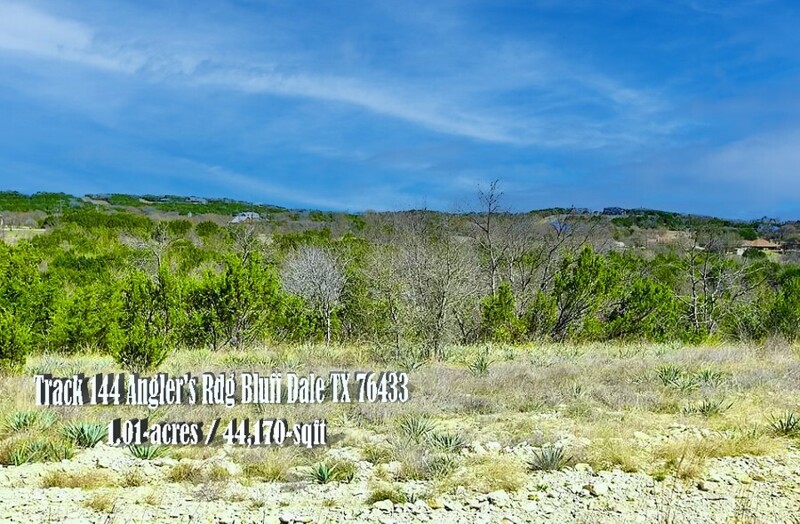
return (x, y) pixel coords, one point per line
(449, 442)
(40, 451)
(710, 377)
(787, 424)
(85, 434)
(58, 451)
(46, 419)
(147, 452)
(416, 427)
(708, 407)
(440, 465)
(549, 458)
(323, 472)
(669, 374)
(479, 367)
(21, 420)
(19, 456)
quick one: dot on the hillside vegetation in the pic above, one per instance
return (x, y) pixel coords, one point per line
(563, 365)
(131, 277)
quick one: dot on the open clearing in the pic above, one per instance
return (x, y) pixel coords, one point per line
(555, 433)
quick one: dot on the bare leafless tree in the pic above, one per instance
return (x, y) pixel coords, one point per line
(490, 230)
(316, 275)
(713, 282)
(438, 274)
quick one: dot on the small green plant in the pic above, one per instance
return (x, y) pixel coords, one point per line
(58, 451)
(147, 452)
(549, 458)
(787, 425)
(46, 419)
(708, 407)
(479, 367)
(710, 377)
(21, 420)
(322, 472)
(449, 442)
(686, 385)
(377, 453)
(39, 451)
(441, 465)
(577, 390)
(669, 374)
(339, 471)
(85, 434)
(416, 427)
(19, 456)
(410, 361)
(346, 471)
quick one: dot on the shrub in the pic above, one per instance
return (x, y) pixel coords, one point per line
(185, 472)
(15, 342)
(143, 339)
(133, 479)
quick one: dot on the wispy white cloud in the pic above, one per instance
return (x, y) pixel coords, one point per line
(765, 162)
(446, 105)
(30, 31)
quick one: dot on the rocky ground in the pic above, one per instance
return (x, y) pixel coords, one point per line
(732, 489)
(661, 434)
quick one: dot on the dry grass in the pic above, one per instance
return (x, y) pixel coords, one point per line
(487, 473)
(597, 395)
(271, 465)
(133, 478)
(195, 473)
(687, 458)
(101, 502)
(86, 479)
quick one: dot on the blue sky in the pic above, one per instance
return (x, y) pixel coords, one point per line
(686, 105)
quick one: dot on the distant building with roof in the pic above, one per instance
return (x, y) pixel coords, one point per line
(247, 216)
(760, 244)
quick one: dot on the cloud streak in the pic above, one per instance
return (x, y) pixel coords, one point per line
(451, 110)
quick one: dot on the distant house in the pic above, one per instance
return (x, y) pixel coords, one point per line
(247, 216)
(759, 244)
(197, 200)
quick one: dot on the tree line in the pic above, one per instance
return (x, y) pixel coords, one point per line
(410, 283)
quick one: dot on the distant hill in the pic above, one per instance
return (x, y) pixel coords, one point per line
(624, 221)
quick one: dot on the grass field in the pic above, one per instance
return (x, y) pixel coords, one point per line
(488, 418)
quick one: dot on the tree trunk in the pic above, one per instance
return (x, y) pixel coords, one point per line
(328, 328)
